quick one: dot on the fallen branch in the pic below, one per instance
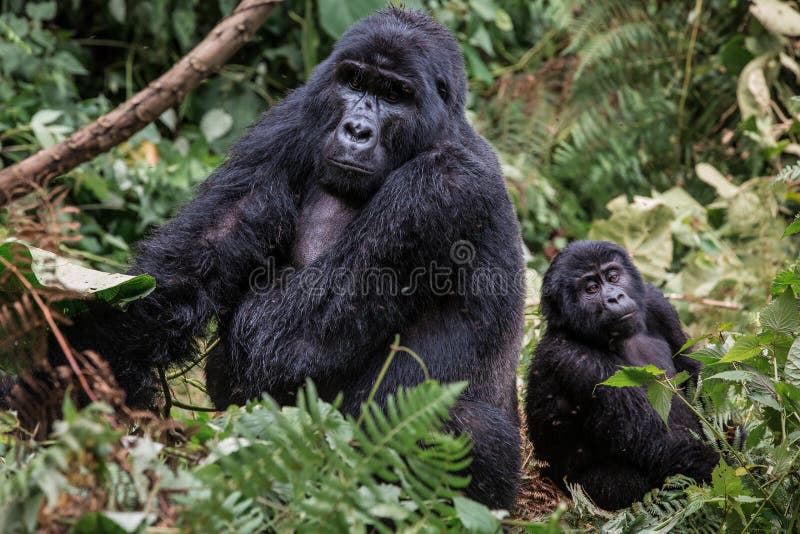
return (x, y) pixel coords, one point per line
(140, 110)
(704, 301)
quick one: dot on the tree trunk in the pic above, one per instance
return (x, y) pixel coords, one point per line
(143, 108)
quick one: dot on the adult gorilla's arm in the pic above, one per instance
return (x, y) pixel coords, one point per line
(423, 208)
(243, 213)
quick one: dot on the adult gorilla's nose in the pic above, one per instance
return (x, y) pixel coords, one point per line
(358, 131)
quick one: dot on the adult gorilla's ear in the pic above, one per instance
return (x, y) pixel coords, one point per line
(441, 88)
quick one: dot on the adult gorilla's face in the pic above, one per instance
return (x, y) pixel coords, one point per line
(593, 289)
(393, 87)
(357, 150)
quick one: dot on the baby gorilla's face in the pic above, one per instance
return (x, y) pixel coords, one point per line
(605, 291)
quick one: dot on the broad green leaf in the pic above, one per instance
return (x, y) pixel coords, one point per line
(215, 124)
(476, 64)
(644, 228)
(45, 269)
(40, 10)
(475, 516)
(98, 523)
(733, 376)
(336, 16)
(786, 279)
(503, 20)
(777, 17)
(708, 355)
(8, 422)
(782, 315)
(484, 8)
(691, 342)
(633, 376)
(710, 175)
(788, 394)
(117, 10)
(751, 77)
(791, 370)
(792, 228)
(660, 398)
(69, 63)
(724, 482)
(745, 348)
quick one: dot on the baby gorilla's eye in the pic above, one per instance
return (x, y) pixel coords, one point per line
(613, 277)
(592, 287)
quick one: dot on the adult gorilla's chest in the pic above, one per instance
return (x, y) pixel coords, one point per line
(323, 219)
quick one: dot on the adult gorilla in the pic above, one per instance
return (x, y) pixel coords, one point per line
(600, 316)
(365, 181)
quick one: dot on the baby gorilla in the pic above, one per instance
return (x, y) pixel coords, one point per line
(600, 316)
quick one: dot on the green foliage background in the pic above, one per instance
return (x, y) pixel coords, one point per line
(659, 125)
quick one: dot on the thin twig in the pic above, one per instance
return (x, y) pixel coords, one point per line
(704, 301)
(62, 342)
(687, 71)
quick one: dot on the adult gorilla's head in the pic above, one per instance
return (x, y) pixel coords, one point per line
(593, 290)
(393, 86)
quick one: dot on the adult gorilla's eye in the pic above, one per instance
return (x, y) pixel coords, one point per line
(613, 277)
(592, 287)
(355, 83)
(392, 96)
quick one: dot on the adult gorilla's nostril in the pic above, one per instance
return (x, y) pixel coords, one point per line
(357, 131)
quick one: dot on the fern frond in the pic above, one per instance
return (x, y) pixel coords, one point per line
(616, 43)
(308, 468)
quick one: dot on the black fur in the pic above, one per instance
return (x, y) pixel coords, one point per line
(609, 440)
(262, 244)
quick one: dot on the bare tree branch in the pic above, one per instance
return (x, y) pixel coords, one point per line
(142, 109)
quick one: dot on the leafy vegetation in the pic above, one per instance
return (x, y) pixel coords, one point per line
(659, 125)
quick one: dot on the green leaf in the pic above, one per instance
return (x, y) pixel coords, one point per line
(484, 8)
(745, 348)
(41, 10)
(184, 22)
(776, 16)
(785, 280)
(8, 422)
(691, 342)
(215, 124)
(503, 20)
(336, 16)
(475, 516)
(476, 64)
(633, 376)
(644, 228)
(710, 175)
(733, 376)
(45, 269)
(660, 398)
(781, 315)
(69, 63)
(117, 10)
(97, 523)
(791, 370)
(724, 482)
(792, 228)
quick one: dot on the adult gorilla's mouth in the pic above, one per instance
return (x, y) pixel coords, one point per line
(350, 166)
(625, 317)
